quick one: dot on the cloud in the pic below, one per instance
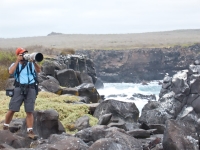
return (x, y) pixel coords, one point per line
(35, 17)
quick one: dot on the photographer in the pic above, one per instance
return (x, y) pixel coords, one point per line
(24, 91)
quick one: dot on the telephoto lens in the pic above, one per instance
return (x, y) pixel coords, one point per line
(34, 56)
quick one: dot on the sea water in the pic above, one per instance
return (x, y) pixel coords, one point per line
(124, 92)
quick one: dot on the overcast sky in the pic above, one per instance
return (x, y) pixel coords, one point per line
(27, 18)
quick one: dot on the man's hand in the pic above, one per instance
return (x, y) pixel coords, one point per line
(19, 57)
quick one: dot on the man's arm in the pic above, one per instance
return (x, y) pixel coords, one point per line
(13, 67)
(37, 67)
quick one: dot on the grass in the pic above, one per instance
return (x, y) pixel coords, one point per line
(68, 113)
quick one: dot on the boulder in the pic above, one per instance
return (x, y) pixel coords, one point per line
(51, 85)
(45, 123)
(127, 112)
(179, 135)
(67, 78)
(88, 89)
(49, 67)
(82, 123)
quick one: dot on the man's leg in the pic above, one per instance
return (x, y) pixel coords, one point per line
(9, 116)
(8, 119)
(29, 119)
(29, 103)
(29, 124)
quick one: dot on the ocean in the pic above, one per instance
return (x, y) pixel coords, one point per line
(125, 92)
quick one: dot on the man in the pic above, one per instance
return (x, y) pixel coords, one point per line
(24, 91)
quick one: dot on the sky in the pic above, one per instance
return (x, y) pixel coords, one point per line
(28, 18)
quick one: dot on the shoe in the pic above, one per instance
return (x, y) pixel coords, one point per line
(31, 135)
(5, 127)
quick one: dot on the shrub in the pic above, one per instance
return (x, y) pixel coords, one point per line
(67, 51)
(6, 59)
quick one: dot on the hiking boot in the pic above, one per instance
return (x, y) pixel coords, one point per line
(5, 127)
(31, 135)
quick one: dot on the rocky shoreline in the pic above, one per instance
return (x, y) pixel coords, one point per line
(171, 123)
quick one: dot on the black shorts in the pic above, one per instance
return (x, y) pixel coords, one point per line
(17, 100)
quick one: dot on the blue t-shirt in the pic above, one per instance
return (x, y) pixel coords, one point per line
(25, 77)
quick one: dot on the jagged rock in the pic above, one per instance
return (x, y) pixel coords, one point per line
(72, 91)
(67, 78)
(51, 85)
(82, 123)
(88, 89)
(106, 143)
(45, 123)
(11, 139)
(68, 142)
(6, 147)
(99, 84)
(92, 134)
(49, 67)
(179, 135)
(104, 119)
(85, 78)
(179, 83)
(194, 82)
(159, 111)
(160, 128)
(139, 133)
(127, 112)
(118, 123)
(126, 141)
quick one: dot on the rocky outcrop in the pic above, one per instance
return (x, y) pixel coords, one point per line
(69, 74)
(172, 122)
(141, 64)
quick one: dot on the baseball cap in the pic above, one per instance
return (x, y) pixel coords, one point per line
(20, 51)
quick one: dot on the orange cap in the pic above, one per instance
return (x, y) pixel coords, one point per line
(20, 51)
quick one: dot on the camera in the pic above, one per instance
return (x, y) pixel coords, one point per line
(34, 56)
(9, 92)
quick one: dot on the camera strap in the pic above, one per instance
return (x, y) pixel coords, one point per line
(18, 72)
(35, 77)
(33, 73)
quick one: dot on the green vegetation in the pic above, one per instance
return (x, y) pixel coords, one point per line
(6, 58)
(68, 113)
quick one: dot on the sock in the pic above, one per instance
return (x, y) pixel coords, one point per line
(28, 129)
(6, 124)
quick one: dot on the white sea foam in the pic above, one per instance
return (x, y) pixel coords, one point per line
(125, 91)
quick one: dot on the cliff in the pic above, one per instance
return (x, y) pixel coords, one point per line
(141, 64)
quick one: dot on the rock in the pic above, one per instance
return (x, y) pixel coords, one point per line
(88, 89)
(67, 78)
(127, 112)
(85, 78)
(139, 133)
(82, 123)
(45, 123)
(49, 67)
(180, 136)
(51, 85)
(72, 91)
(104, 119)
(99, 84)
